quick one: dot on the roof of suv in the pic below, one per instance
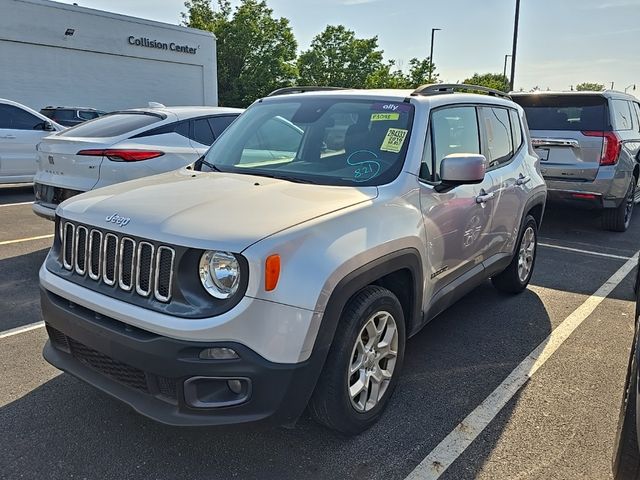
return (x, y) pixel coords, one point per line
(399, 95)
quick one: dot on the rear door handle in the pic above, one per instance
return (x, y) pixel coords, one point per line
(8, 136)
(522, 180)
(484, 197)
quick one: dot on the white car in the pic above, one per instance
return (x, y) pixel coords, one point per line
(123, 146)
(21, 128)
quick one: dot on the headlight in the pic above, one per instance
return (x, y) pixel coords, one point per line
(219, 274)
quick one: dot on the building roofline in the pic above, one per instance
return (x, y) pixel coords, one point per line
(117, 16)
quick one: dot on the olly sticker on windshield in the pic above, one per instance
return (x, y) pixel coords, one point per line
(393, 140)
(391, 107)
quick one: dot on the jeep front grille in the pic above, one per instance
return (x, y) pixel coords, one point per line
(118, 261)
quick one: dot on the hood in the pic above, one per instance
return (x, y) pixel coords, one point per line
(222, 211)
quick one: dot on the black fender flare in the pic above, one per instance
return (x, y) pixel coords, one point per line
(408, 258)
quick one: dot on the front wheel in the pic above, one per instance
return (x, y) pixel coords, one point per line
(363, 363)
(515, 278)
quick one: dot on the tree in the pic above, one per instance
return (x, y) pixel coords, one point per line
(496, 81)
(388, 77)
(337, 58)
(256, 52)
(588, 87)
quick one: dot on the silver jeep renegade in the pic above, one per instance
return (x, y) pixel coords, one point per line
(286, 268)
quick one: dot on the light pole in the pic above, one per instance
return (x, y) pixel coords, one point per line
(504, 70)
(515, 45)
(433, 32)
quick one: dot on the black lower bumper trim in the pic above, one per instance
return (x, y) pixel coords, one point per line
(134, 366)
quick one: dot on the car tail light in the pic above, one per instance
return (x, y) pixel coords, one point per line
(611, 146)
(122, 155)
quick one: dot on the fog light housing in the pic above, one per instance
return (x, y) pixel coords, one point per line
(216, 392)
(218, 353)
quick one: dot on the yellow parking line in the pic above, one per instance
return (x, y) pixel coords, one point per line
(19, 240)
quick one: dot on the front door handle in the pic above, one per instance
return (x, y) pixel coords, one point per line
(484, 197)
(8, 136)
(523, 180)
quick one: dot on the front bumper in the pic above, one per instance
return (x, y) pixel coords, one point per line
(148, 371)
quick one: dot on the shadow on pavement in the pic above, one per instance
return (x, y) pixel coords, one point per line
(66, 428)
(19, 289)
(14, 193)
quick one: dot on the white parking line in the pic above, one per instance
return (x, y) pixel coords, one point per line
(15, 204)
(20, 240)
(23, 329)
(452, 446)
(587, 252)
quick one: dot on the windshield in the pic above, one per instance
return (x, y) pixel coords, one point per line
(329, 141)
(564, 112)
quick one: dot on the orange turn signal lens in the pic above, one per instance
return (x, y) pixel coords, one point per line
(271, 272)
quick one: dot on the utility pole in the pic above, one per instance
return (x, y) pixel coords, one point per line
(515, 45)
(433, 32)
(504, 70)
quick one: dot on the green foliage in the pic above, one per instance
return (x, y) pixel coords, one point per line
(337, 58)
(389, 76)
(496, 81)
(255, 52)
(589, 87)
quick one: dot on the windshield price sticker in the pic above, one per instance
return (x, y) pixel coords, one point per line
(393, 140)
(378, 117)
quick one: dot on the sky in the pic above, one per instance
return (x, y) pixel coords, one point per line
(561, 42)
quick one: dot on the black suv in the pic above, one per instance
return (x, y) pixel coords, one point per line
(70, 116)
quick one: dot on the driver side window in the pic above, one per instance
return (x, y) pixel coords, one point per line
(453, 130)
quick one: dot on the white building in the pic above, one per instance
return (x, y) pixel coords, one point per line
(64, 55)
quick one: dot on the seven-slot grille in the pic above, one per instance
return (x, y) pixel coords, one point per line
(118, 260)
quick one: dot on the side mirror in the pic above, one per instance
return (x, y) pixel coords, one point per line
(46, 126)
(462, 169)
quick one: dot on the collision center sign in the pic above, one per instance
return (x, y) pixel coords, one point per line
(174, 47)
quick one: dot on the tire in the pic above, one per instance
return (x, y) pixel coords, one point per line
(331, 404)
(626, 457)
(618, 219)
(515, 279)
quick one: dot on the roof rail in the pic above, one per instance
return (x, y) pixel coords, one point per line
(441, 88)
(302, 89)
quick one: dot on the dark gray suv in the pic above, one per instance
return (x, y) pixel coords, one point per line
(588, 144)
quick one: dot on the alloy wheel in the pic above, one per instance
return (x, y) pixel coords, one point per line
(373, 361)
(526, 254)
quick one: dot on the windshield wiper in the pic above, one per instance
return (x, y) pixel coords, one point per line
(287, 178)
(201, 161)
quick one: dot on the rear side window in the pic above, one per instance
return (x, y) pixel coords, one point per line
(219, 124)
(621, 115)
(17, 119)
(516, 130)
(202, 132)
(112, 125)
(636, 108)
(497, 126)
(565, 112)
(64, 115)
(87, 115)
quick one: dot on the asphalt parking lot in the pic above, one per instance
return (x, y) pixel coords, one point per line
(559, 425)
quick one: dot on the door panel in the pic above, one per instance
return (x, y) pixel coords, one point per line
(458, 230)
(18, 154)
